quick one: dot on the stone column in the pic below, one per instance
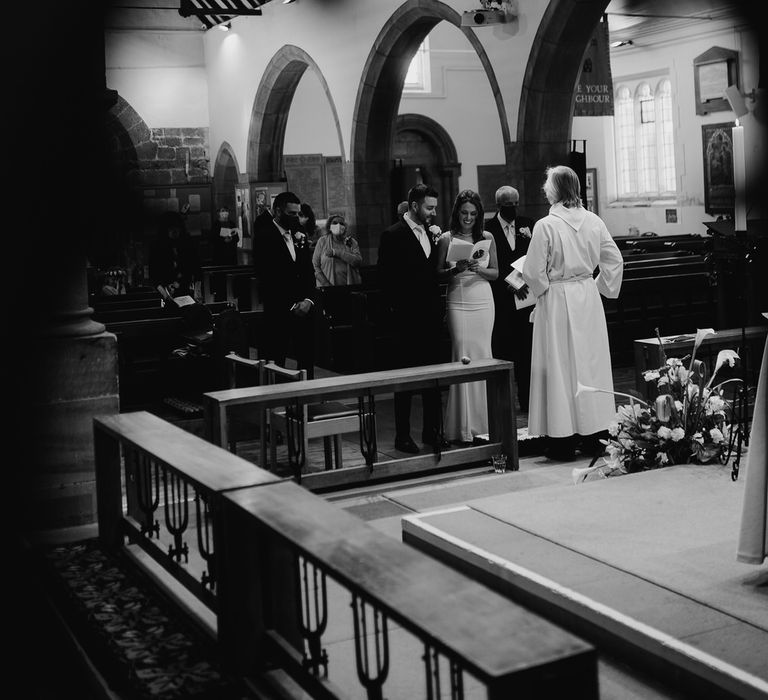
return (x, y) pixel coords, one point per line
(61, 365)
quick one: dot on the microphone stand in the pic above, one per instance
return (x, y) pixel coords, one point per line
(739, 435)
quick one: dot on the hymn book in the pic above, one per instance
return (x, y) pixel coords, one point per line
(464, 250)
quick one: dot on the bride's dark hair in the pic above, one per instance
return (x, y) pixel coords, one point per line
(473, 198)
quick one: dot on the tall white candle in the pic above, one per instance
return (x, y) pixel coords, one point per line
(739, 178)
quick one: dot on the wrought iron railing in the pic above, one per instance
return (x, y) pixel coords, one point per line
(300, 586)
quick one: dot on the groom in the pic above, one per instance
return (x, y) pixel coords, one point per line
(409, 278)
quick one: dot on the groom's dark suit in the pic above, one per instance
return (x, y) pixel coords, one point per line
(283, 282)
(512, 331)
(409, 279)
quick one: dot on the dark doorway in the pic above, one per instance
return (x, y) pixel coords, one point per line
(423, 152)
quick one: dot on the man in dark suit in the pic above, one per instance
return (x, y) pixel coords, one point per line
(512, 331)
(283, 262)
(409, 279)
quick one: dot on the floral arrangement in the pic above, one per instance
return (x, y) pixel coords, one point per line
(300, 239)
(435, 232)
(689, 421)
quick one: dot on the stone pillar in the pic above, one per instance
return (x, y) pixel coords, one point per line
(61, 365)
(70, 376)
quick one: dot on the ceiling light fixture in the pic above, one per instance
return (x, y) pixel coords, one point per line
(616, 44)
(288, 2)
(225, 27)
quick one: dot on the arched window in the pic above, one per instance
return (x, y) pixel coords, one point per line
(644, 133)
(419, 78)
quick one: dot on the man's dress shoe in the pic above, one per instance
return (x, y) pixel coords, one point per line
(406, 445)
(436, 441)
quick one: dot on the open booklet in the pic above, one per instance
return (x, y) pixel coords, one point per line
(515, 279)
(464, 250)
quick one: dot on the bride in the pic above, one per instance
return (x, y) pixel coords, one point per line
(470, 310)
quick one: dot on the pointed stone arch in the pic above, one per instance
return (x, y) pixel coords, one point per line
(271, 106)
(377, 102)
(546, 101)
(226, 175)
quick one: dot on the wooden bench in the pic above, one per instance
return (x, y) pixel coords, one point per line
(145, 347)
(113, 316)
(648, 352)
(675, 303)
(213, 280)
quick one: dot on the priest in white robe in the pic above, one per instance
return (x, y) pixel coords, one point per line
(570, 336)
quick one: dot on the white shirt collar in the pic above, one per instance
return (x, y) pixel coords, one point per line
(504, 223)
(414, 226)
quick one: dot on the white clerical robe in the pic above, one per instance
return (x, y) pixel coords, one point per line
(570, 337)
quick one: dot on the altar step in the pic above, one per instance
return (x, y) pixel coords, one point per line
(587, 597)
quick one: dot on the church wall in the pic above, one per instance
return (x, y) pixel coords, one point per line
(161, 75)
(190, 80)
(674, 54)
(339, 37)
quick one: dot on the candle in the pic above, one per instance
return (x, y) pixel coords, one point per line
(739, 178)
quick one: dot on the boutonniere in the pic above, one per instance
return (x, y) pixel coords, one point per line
(524, 231)
(299, 239)
(435, 232)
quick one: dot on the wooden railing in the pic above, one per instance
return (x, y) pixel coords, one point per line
(172, 483)
(297, 585)
(497, 375)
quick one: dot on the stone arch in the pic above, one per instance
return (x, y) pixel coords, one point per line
(226, 175)
(448, 160)
(546, 102)
(377, 102)
(128, 141)
(270, 111)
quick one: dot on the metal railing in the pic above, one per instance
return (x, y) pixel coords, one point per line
(303, 590)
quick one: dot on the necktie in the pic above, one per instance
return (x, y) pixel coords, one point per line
(509, 232)
(421, 234)
(289, 242)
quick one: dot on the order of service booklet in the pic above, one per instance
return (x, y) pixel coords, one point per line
(515, 279)
(464, 250)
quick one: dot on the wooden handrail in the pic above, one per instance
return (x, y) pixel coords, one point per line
(497, 375)
(282, 528)
(265, 531)
(165, 473)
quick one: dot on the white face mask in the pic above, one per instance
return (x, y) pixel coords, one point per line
(335, 229)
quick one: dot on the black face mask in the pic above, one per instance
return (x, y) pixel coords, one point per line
(290, 223)
(508, 212)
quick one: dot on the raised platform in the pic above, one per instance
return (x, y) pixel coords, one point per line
(643, 564)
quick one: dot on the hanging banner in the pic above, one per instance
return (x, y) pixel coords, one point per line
(594, 91)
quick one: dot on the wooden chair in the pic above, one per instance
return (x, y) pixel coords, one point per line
(328, 420)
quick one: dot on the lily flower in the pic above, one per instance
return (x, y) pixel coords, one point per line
(724, 357)
(582, 389)
(701, 333)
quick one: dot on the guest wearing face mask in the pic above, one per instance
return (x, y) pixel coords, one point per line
(283, 262)
(512, 331)
(337, 256)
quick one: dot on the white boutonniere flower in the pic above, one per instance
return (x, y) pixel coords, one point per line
(299, 239)
(435, 232)
(524, 231)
